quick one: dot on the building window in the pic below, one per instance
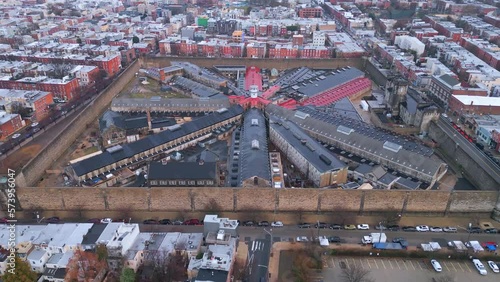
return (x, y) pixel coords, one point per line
(171, 182)
(191, 182)
(182, 182)
(255, 180)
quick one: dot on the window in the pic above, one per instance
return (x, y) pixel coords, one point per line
(172, 182)
(201, 182)
(191, 182)
(255, 180)
(182, 182)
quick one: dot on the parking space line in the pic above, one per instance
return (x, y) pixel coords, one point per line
(445, 265)
(390, 263)
(404, 264)
(458, 266)
(376, 264)
(397, 264)
(333, 263)
(353, 262)
(467, 267)
(382, 261)
(411, 262)
(422, 265)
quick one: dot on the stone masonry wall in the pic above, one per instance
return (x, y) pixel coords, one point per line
(259, 199)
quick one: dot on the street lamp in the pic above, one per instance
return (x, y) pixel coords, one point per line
(270, 232)
(468, 237)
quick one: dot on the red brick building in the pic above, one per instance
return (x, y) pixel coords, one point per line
(280, 51)
(311, 12)
(462, 104)
(256, 50)
(9, 124)
(315, 52)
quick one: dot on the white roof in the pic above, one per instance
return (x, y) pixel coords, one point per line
(108, 232)
(478, 100)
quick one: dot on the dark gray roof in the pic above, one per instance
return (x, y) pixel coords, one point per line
(253, 160)
(129, 150)
(335, 78)
(59, 273)
(387, 178)
(343, 108)
(370, 131)
(293, 76)
(94, 232)
(209, 275)
(107, 120)
(310, 149)
(409, 183)
(411, 104)
(372, 141)
(182, 170)
(208, 156)
(196, 88)
(364, 169)
(449, 80)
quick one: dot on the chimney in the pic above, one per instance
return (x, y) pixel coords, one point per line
(162, 75)
(149, 119)
(201, 162)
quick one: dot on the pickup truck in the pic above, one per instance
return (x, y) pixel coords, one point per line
(374, 238)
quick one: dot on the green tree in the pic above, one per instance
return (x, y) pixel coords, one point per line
(135, 39)
(128, 275)
(21, 273)
(102, 253)
(78, 40)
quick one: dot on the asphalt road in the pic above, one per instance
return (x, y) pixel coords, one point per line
(347, 236)
(477, 155)
(38, 141)
(258, 259)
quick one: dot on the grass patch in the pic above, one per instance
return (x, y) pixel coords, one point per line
(90, 150)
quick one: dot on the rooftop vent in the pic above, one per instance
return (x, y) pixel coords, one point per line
(255, 121)
(255, 144)
(325, 159)
(114, 149)
(174, 127)
(223, 110)
(392, 146)
(345, 130)
(301, 115)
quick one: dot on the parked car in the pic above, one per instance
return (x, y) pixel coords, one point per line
(150, 221)
(363, 226)
(422, 228)
(320, 225)
(248, 223)
(302, 239)
(15, 136)
(493, 266)
(165, 221)
(450, 229)
(398, 239)
(304, 225)
(474, 229)
(350, 227)
(409, 228)
(491, 231)
(394, 227)
(380, 227)
(192, 221)
(435, 229)
(334, 239)
(264, 223)
(177, 222)
(94, 220)
(35, 124)
(435, 264)
(479, 266)
(336, 226)
(119, 220)
(106, 220)
(277, 224)
(53, 219)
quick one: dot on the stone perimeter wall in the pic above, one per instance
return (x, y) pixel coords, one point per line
(257, 199)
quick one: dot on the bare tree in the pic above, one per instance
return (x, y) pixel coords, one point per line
(300, 271)
(212, 206)
(240, 272)
(355, 273)
(300, 215)
(167, 267)
(445, 278)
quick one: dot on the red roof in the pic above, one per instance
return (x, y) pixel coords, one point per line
(253, 77)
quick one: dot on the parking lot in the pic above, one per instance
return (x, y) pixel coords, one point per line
(398, 269)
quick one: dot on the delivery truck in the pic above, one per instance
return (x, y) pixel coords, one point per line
(374, 238)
